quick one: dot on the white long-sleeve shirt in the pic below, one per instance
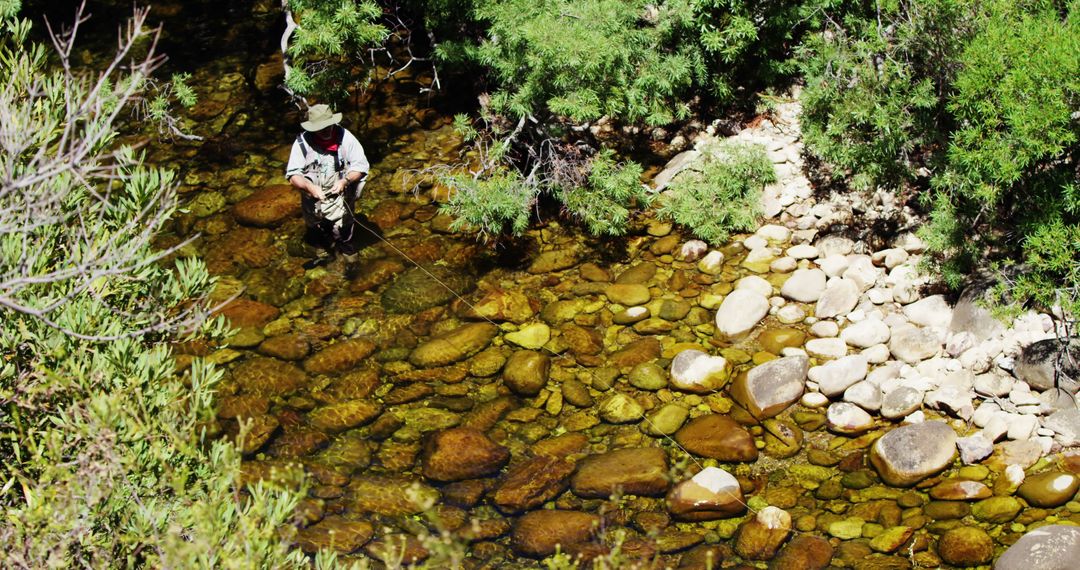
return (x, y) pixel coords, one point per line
(322, 167)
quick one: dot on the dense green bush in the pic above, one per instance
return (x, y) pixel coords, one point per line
(104, 459)
(973, 104)
(329, 38)
(723, 193)
(603, 202)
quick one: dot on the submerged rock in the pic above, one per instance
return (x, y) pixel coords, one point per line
(635, 471)
(339, 356)
(718, 437)
(417, 289)
(269, 206)
(1052, 547)
(769, 388)
(966, 546)
(269, 376)
(526, 372)
(340, 417)
(335, 533)
(696, 371)
(740, 312)
(1049, 490)
(911, 453)
(711, 494)
(453, 346)
(532, 483)
(461, 453)
(541, 533)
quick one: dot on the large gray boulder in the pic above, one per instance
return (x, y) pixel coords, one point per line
(969, 314)
(1048, 364)
(1053, 547)
(911, 453)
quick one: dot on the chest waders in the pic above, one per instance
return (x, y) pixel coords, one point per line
(331, 218)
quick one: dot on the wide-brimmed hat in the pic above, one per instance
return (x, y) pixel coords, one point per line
(319, 117)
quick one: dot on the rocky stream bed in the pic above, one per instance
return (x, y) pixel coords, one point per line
(794, 398)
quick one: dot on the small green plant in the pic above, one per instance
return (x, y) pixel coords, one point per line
(723, 193)
(498, 204)
(603, 202)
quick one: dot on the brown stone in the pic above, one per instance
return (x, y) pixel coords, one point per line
(581, 340)
(244, 313)
(706, 557)
(711, 494)
(244, 406)
(375, 273)
(397, 548)
(343, 416)
(390, 496)
(339, 356)
(635, 353)
(259, 430)
(561, 445)
(532, 483)
(540, 533)
(966, 546)
(960, 490)
(759, 537)
(804, 552)
(718, 437)
(286, 347)
(526, 372)
(635, 471)
(453, 346)
(461, 453)
(355, 385)
(486, 414)
(297, 443)
(335, 533)
(269, 206)
(269, 376)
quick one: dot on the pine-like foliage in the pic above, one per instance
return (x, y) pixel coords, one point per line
(721, 195)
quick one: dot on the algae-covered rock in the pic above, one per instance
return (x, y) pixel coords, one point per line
(269, 206)
(339, 356)
(541, 533)
(804, 552)
(269, 376)
(461, 453)
(532, 483)
(966, 546)
(526, 372)
(390, 496)
(335, 533)
(997, 510)
(1049, 490)
(759, 537)
(416, 290)
(340, 417)
(453, 346)
(648, 376)
(718, 437)
(699, 372)
(635, 471)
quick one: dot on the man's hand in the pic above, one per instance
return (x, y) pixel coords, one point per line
(307, 186)
(339, 186)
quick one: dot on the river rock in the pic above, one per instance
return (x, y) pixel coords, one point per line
(966, 546)
(461, 453)
(711, 494)
(269, 376)
(268, 207)
(532, 483)
(866, 395)
(285, 347)
(804, 285)
(911, 453)
(389, 496)
(804, 552)
(838, 375)
(335, 533)
(759, 537)
(541, 533)
(553, 260)
(1049, 490)
(865, 334)
(756, 284)
(769, 388)
(776, 340)
(532, 336)
(1037, 365)
(740, 312)
(418, 289)
(620, 408)
(899, 402)
(718, 437)
(826, 347)
(997, 510)
(501, 305)
(339, 356)
(627, 294)
(960, 490)
(666, 420)
(454, 345)
(712, 263)
(526, 372)
(1051, 547)
(1066, 426)
(244, 313)
(848, 419)
(912, 344)
(340, 417)
(698, 372)
(648, 376)
(642, 350)
(932, 311)
(635, 471)
(839, 298)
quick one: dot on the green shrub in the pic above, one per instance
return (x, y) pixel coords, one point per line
(330, 36)
(603, 203)
(722, 193)
(495, 205)
(104, 457)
